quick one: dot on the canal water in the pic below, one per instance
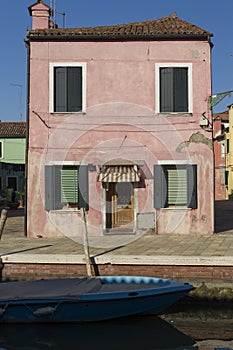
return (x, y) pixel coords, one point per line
(201, 327)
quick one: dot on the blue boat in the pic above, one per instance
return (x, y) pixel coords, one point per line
(87, 299)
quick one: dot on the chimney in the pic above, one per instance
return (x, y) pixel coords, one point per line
(40, 13)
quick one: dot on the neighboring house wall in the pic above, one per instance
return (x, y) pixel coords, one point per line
(220, 125)
(12, 156)
(229, 153)
(13, 150)
(119, 121)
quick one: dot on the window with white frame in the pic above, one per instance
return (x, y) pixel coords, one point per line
(175, 185)
(174, 88)
(66, 186)
(67, 87)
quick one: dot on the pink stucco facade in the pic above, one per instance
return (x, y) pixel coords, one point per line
(120, 120)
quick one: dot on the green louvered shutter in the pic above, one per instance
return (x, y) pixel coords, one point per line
(177, 186)
(69, 185)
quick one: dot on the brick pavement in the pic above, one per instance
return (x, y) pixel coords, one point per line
(216, 245)
(148, 249)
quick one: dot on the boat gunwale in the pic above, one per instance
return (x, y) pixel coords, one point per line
(169, 287)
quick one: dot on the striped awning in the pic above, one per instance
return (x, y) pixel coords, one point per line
(119, 173)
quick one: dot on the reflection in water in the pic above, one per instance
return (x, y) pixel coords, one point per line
(210, 325)
(196, 328)
(144, 333)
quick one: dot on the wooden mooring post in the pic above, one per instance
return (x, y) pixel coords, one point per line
(3, 221)
(86, 244)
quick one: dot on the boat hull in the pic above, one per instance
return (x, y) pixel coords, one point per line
(118, 301)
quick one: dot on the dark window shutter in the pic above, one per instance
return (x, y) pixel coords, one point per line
(83, 187)
(57, 187)
(166, 90)
(226, 177)
(49, 188)
(160, 187)
(180, 89)
(192, 186)
(60, 90)
(74, 88)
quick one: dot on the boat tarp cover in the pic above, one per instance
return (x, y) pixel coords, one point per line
(55, 288)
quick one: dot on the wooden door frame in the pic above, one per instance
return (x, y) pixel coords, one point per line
(104, 203)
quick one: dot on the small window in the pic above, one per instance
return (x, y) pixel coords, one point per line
(67, 88)
(66, 187)
(69, 186)
(175, 185)
(173, 88)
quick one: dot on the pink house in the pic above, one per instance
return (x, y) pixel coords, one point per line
(117, 125)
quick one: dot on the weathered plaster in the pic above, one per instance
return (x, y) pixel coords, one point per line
(196, 138)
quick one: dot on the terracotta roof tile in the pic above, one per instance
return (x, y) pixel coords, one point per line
(169, 26)
(12, 129)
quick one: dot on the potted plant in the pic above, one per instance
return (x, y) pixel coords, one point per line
(20, 195)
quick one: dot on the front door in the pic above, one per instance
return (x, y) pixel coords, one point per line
(120, 204)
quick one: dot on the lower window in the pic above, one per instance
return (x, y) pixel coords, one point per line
(175, 185)
(66, 186)
(69, 186)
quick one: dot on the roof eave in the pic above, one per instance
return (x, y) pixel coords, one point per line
(36, 37)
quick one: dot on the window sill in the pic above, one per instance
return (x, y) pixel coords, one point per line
(71, 210)
(176, 114)
(177, 208)
(67, 113)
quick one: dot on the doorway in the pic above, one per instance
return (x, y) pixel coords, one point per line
(119, 204)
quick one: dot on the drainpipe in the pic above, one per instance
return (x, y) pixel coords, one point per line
(27, 134)
(230, 157)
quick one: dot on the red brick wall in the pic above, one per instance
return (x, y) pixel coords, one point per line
(196, 273)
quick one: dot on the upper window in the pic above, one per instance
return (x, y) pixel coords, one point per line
(1, 149)
(173, 88)
(67, 87)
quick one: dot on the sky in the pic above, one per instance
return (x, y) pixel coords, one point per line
(211, 15)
